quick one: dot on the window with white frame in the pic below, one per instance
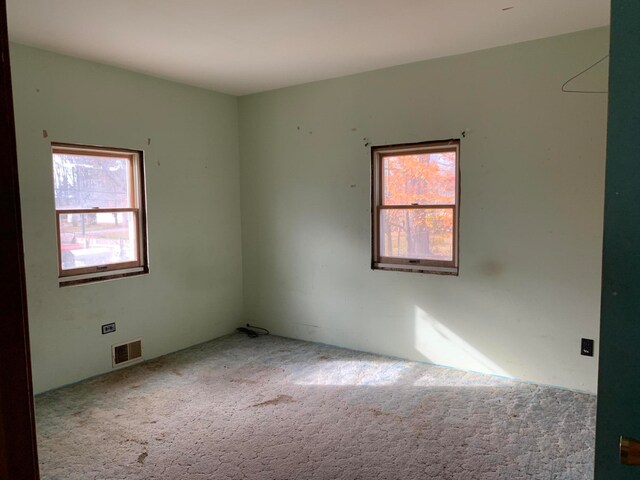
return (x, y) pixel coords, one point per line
(415, 207)
(100, 212)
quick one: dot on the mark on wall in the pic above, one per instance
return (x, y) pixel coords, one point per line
(309, 325)
(45, 134)
(491, 268)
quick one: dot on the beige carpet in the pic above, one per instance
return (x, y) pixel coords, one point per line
(275, 409)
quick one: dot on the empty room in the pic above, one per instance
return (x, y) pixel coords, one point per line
(347, 239)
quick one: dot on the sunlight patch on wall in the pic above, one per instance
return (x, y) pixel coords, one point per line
(441, 346)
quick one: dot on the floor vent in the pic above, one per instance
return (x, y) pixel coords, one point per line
(127, 352)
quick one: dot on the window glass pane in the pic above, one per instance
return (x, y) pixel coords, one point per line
(423, 179)
(101, 238)
(421, 234)
(87, 181)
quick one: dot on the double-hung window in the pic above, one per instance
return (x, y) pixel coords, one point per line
(415, 207)
(100, 213)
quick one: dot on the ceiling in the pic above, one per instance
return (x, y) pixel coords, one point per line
(247, 46)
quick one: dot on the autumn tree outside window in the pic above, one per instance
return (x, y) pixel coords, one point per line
(415, 207)
(100, 213)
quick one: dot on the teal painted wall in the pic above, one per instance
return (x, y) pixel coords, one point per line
(619, 384)
(194, 290)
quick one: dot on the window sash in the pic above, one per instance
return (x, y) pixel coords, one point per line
(407, 264)
(401, 153)
(137, 201)
(107, 267)
(132, 157)
(418, 261)
(415, 206)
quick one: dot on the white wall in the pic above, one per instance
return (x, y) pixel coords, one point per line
(531, 216)
(194, 290)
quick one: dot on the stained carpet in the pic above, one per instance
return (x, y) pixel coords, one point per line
(278, 409)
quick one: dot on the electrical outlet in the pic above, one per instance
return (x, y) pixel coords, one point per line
(586, 347)
(108, 328)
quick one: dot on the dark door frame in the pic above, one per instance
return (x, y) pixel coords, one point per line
(18, 452)
(618, 412)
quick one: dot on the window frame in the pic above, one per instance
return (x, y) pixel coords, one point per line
(137, 194)
(380, 262)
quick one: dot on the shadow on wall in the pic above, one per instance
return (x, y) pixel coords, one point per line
(441, 346)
